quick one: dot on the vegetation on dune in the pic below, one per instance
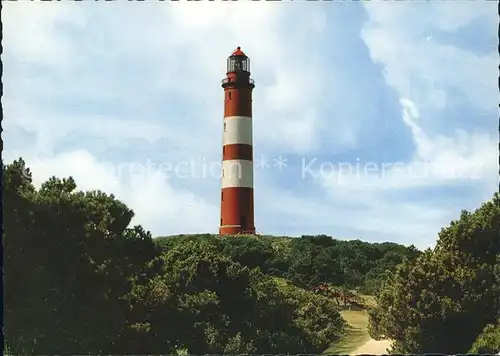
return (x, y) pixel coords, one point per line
(218, 305)
(488, 342)
(70, 259)
(356, 333)
(310, 260)
(442, 301)
(80, 280)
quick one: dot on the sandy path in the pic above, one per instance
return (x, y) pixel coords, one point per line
(373, 347)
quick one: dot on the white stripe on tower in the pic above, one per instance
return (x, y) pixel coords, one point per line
(237, 173)
(237, 130)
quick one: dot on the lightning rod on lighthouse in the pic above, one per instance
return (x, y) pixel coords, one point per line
(237, 204)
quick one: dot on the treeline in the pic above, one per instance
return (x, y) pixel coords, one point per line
(310, 260)
(448, 299)
(80, 280)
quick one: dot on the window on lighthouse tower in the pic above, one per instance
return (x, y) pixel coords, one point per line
(238, 64)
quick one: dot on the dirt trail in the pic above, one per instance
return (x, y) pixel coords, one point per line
(373, 347)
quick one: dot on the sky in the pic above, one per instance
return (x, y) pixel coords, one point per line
(373, 120)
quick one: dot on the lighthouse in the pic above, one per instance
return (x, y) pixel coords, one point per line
(237, 206)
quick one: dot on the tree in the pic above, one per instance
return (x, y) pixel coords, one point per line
(81, 280)
(488, 342)
(423, 306)
(69, 260)
(309, 260)
(220, 306)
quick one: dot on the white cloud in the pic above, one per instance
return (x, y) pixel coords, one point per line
(157, 206)
(460, 157)
(191, 46)
(427, 75)
(446, 161)
(190, 63)
(426, 71)
(439, 162)
(157, 80)
(31, 34)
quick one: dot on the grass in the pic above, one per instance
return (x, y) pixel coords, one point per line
(369, 300)
(356, 333)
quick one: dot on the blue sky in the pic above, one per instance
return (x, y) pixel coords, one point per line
(386, 112)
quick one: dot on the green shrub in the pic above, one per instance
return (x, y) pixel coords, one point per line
(488, 342)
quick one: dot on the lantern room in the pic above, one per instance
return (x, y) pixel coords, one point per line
(238, 62)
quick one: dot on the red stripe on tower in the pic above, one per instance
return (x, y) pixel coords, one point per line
(237, 209)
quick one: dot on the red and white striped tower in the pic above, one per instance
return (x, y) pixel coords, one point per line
(237, 208)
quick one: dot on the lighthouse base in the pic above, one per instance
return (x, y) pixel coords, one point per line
(236, 230)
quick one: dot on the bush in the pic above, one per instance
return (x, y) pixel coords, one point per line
(221, 306)
(488, 342)
(424, 306)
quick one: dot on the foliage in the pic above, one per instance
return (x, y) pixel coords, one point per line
(310, 260)
(424, 306)
(221, 306)
(488, 342)
(66, 252)
(79, 280)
